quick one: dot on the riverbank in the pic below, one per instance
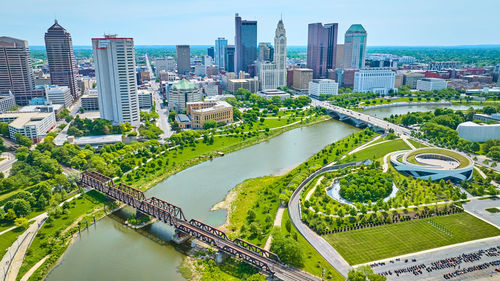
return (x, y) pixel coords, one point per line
(396, 104)
(55, 257)
(150, 181)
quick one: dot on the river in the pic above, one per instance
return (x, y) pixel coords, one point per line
(112, 251)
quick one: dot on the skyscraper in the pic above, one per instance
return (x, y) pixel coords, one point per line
(220, 47)
(116, 80)
(245, 43)
(211, 52)
(62, 66)
(273, 74)
(229, 58)
(355, 47)
(322, 48)
(16, 74)
(323, 42)
(266, 51)
(183, 59)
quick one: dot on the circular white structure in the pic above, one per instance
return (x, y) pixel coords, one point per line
(433, 163)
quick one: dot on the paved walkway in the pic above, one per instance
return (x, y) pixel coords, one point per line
(34, 268)
(13, 259)
(311, 192)
(277, 222)
(405, 138)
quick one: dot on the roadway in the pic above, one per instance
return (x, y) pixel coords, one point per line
(324, 248)
(162, 112)
(365, 118)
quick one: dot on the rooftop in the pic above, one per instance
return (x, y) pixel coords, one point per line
(184, 85)
(97, 139)
(356, 28)
(25, 118)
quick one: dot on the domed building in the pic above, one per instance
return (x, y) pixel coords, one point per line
(182, 92)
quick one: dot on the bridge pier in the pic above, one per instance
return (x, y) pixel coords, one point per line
(180, 237)
(220, 257)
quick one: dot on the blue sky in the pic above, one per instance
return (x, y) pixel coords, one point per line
(169, 22)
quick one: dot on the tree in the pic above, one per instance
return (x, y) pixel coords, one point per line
(4, 129)
(21, 207)
(11, 215)
(287, 249)
(209, 124)
(23, 140)
(21, 222)
(251, 215)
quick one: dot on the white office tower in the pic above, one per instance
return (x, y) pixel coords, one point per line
(116, 79)
(273, 74)
(323, 86)
(378, 80)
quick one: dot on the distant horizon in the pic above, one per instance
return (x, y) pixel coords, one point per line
(305, 46)
(197, 22)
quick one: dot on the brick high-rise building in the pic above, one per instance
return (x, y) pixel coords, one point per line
(322, 48)
(16, 74)
(62, 66)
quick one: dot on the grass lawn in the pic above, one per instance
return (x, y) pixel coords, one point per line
(464, 162)
(417, 144)
(314, 263)
(378, 151)
(8, 238)
(39, 248)
(493, 210)
(370, 244)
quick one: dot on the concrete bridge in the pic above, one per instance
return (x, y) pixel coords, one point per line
(266, 261)
(360, 119)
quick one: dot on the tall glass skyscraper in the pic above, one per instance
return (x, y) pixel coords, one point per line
(322, 48)
(355, 47)
(245, 43)
(229, 58)
(220, 47)
(62, 66)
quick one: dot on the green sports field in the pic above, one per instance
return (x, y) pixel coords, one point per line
(370, 244)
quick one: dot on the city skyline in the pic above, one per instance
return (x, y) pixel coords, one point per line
(420, 28)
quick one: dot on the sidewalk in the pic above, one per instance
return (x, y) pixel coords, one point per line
(13, 259)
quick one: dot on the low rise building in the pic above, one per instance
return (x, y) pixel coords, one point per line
(377, 80)
(478, 132)
(323, 86)
(48, 107)
(200, 112)
(270, 93)
(495, 117)
(183, 120)
(411, 78)
(59, 95)
(301, 78)
(431, 84)
(145, 98)
(7, 101)
(251, 84)
(34, 125)
(90, 101)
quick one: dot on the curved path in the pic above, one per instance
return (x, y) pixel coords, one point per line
(322, 247)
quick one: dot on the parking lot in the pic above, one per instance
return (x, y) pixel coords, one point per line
(435, 264)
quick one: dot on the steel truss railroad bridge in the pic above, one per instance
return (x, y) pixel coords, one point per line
(266, 261)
